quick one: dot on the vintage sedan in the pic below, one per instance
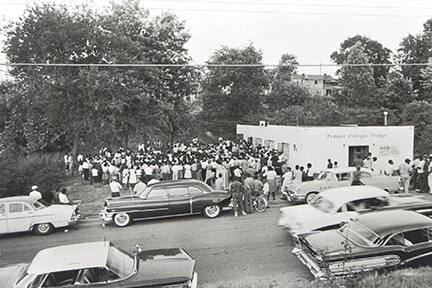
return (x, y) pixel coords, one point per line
(372, 242)
(166, 199)
(101, 264)
(23, 213)
(338, 177)
(334, 206)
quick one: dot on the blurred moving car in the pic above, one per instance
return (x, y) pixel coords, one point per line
(101, 264)
(23, 213)
(166, 199)
(338, 177)
(337, 205)
(373, 241)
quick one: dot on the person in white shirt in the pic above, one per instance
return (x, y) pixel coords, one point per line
(34, 194)
(115, 187)
(297, 174)
(63, 199)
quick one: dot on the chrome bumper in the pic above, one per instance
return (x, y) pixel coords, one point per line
(310, 263)
(294, 198)
(106, 217)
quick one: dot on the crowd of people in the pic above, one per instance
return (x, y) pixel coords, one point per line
(239, 168)
(219, 165)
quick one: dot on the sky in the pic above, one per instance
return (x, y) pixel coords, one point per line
(309, 29)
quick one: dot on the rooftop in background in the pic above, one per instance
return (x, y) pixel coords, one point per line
(313, 77)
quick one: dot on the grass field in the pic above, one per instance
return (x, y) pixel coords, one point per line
(406, 278)
(92, 196)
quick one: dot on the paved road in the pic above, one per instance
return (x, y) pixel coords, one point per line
(227, 249)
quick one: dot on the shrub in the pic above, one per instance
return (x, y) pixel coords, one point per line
(18, 173)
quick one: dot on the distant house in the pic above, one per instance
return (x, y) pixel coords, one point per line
(317, 85)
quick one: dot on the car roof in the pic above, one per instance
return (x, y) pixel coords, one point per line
(383, 223)
(70, 257)
(341, 195)
(26, 199)
(172, 182)
(346, 170)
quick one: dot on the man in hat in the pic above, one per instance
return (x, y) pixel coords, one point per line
(34, 194)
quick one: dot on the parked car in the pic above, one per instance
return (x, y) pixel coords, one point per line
(334, 206)
(338, 177)
(101, 264)
(372, 242)
(166, 199)
(23, 213)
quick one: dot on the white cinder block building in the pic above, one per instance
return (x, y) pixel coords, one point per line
(344, 144)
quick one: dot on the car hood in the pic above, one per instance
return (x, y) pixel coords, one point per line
(9, 274)
(304, 218)
(164, 266)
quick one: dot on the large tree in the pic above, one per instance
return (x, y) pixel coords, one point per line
(416, 49)
(231, 93)
(374, 51)
(358, 86)
(84, 105)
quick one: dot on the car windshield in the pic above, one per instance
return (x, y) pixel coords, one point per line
(323, 204)
(119, 262)
(144, 193)
(40, 204)
(359, 234)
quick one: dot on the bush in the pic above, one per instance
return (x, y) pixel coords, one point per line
(18, 173)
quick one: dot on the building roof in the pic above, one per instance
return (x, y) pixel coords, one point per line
(342, 195)
(394, 221)
(70, 257)
(313, 77)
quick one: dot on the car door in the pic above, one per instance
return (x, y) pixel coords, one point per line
(342, 179)
(198, 200)
(155, 204)
(418, 248)
(19, 217)
(3, 219)
(179, 200)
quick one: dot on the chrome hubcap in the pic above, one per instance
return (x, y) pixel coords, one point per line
(43, 227)
(212, 210)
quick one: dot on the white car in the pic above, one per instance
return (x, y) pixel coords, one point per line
(338, 177)
(335, 206)
(101, 264)
(23, 213)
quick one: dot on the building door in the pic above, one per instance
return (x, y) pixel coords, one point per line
(356, 154)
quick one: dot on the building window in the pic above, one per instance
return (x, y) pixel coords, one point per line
(316, 82)
(328, 92)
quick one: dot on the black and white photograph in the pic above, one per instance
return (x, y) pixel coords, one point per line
(215, 143)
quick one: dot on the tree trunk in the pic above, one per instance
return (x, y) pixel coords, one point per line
(74, 153)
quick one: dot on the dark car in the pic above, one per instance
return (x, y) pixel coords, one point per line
(101, 264)
(374, 241)
(166, 199)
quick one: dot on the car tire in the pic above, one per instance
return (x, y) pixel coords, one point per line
(122, 219)
(43, 228)
(212, 211)
(311, 197)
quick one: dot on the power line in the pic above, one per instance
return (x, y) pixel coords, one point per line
(288, 4)
(234, 65)
(252, 11)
